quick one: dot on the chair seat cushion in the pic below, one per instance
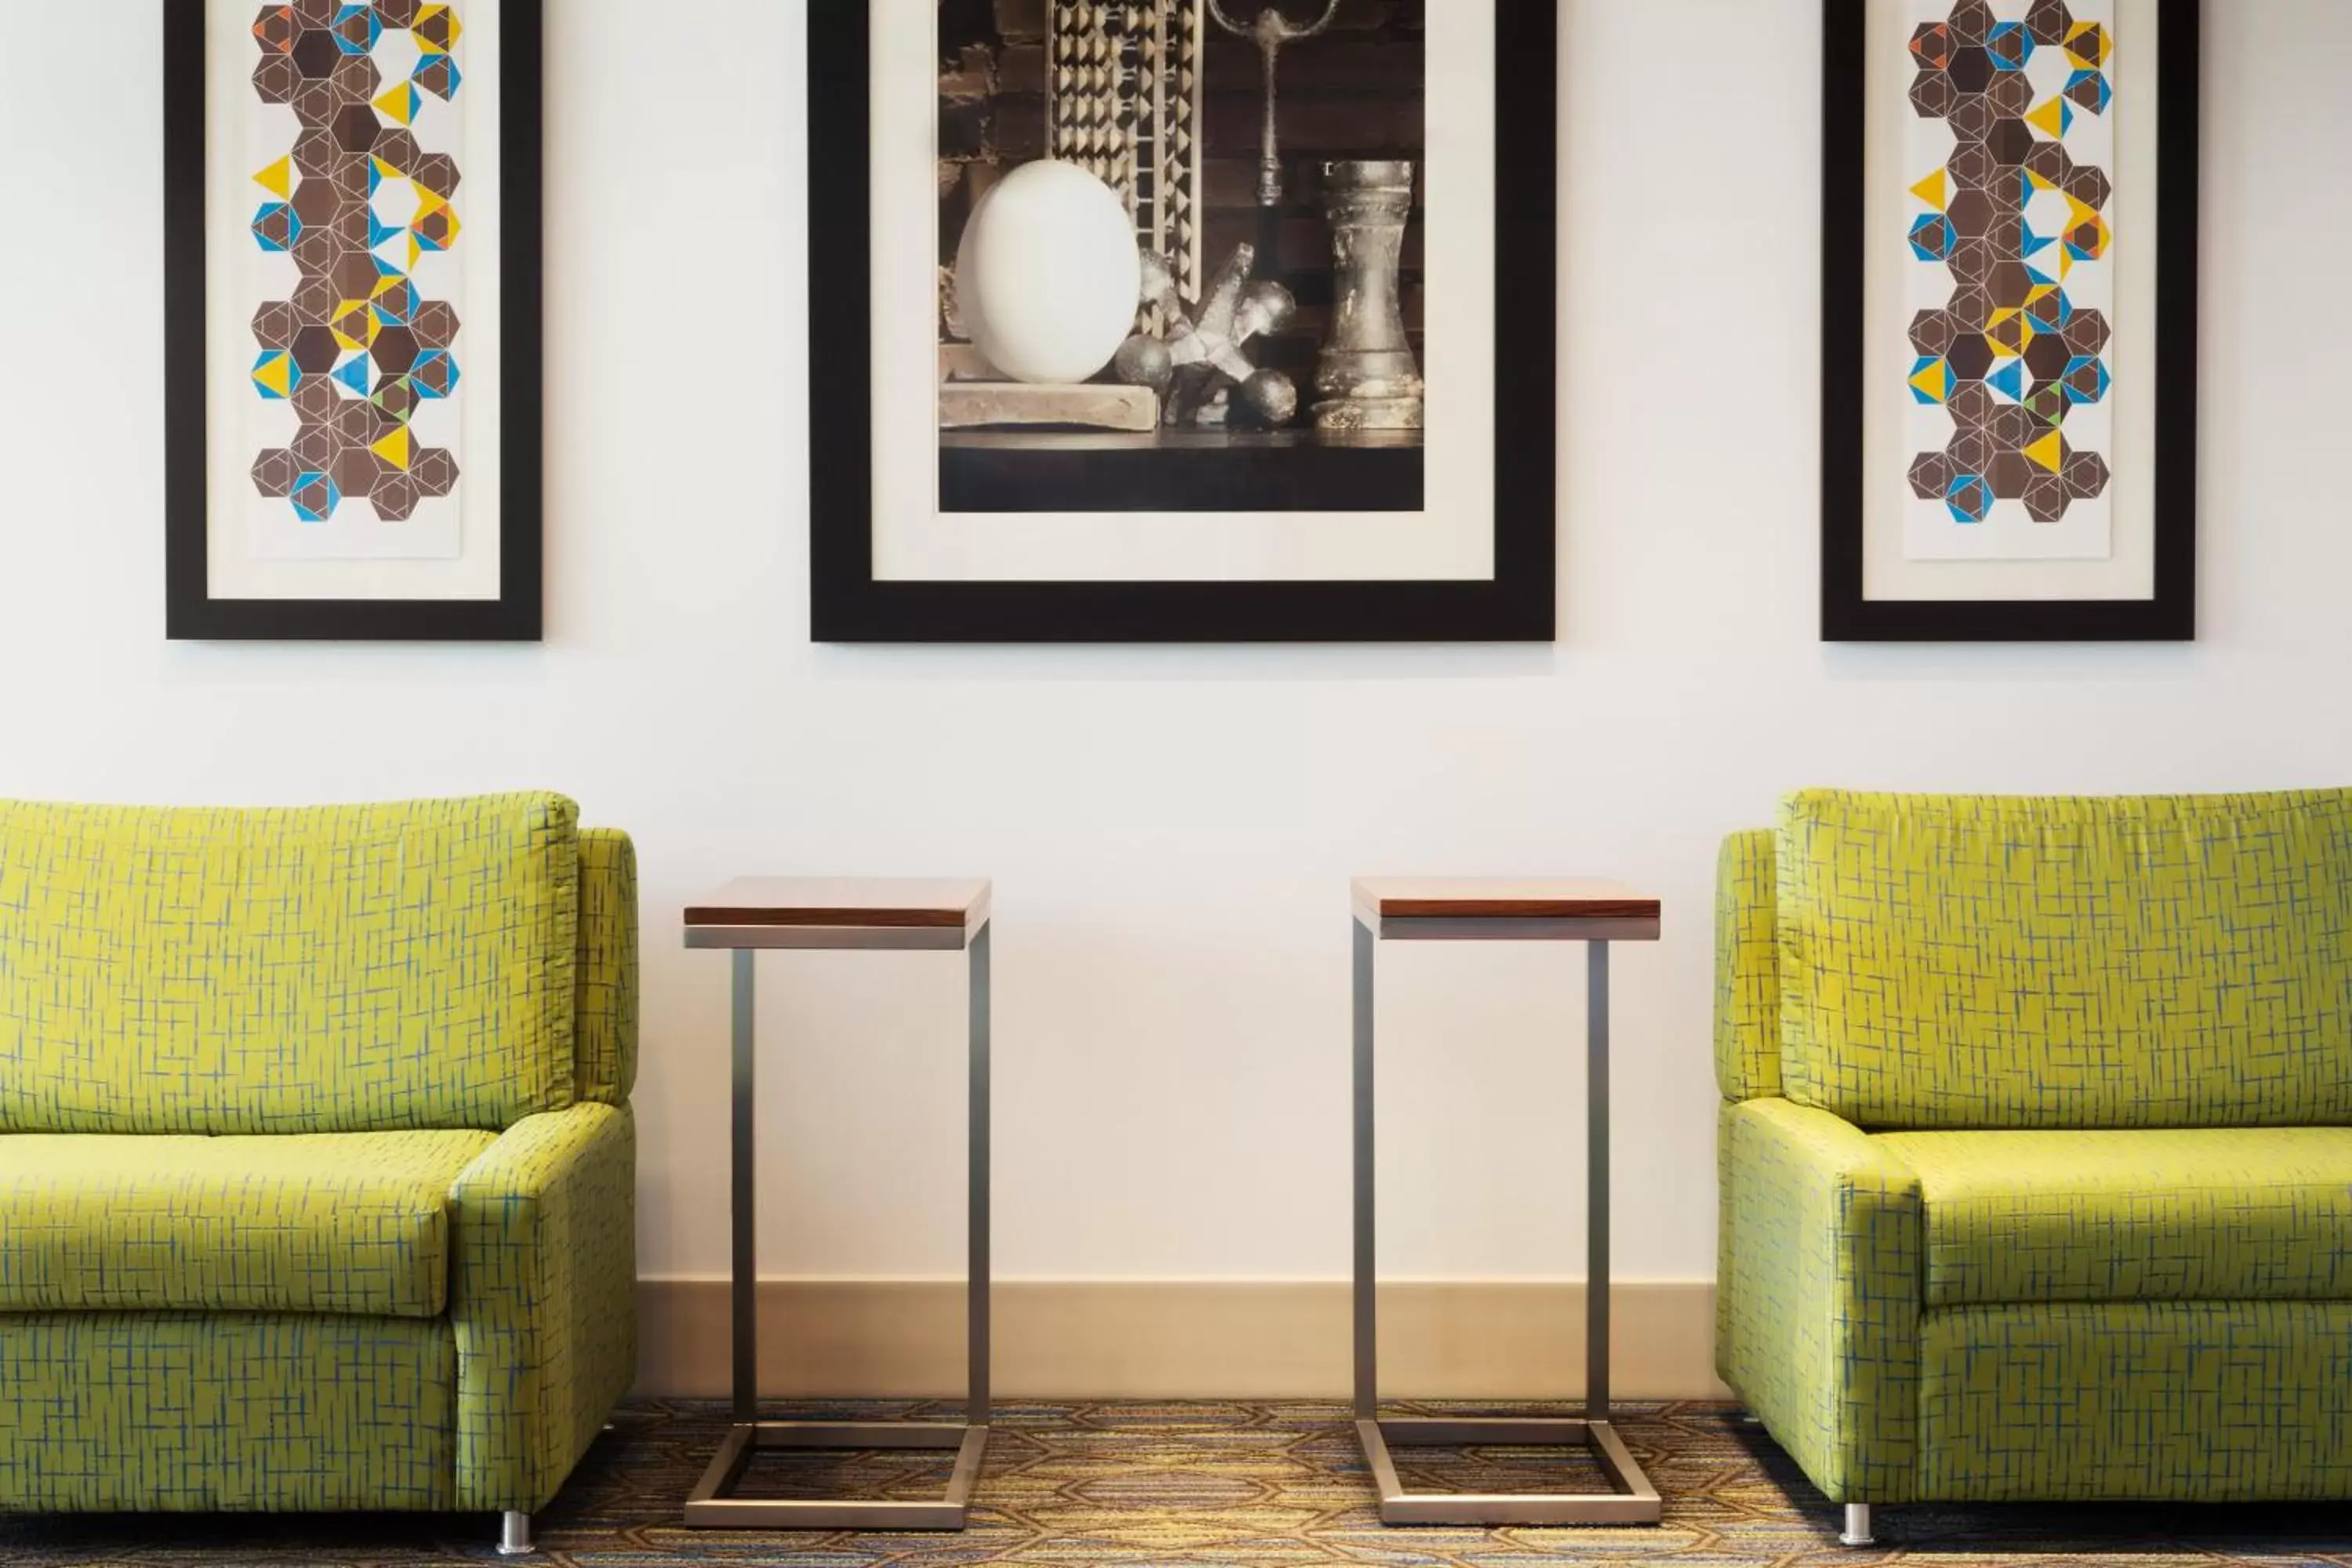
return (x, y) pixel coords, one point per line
(354, 1222)
(2215, 1214)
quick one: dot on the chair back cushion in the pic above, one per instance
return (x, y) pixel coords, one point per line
(333, 969)
(1967, 962)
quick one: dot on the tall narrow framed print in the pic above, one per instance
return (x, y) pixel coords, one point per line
(2010, 375)
(352, 241)
(1183, 321)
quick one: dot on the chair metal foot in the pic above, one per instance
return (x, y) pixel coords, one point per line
(1857, 1526)
(514, 1535)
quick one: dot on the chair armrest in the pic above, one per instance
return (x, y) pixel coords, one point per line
(1824, 1231)
(543, 1300)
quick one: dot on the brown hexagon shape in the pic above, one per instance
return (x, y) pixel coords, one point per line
(1971, 21)
(355, 277)
(395, 497)
(2012, 92)
(2046, 499)
(2087, 475)
(354, 79)
(317, 13)
(1932, 332)
(2010, 473)
(315, 53)
(1971, 405)
(315, 399)
(273, 325)
(314, 302)
(314, 151)
(397, 13)
(1933, 95)
(2049, 21)
(1972, 168)
(274, 473)
(315, 104)
(316, 448)
(1972, 452)
(434, 471)
(2086, 331)
(357, 469)
(318, 201)
(2089, 186)
(394, 145)
(2010, 143)
(437, 172)
(356, 127)
(316, 350)
(1931, 476)
(1972, 117)
(275, 79)
(435, 325)
(275, 29)
(393, 351)
(2011, 426)
(2008, 283)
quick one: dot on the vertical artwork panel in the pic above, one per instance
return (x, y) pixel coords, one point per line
(356, 281)
(2011, 239)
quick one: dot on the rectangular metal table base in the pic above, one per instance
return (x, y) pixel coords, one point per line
(708, 1507)
(1635, 1501)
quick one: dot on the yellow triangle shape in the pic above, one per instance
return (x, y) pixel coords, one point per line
(2049, 451)
(394, 105)
(1936, 380)
(386, 171)
(2050, 118)
(278, 179)
(393, 449)
(276, 374)
(1931, 189)
(2065, 263)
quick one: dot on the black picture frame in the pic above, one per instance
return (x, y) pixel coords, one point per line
(848, 605)
(2169, 615)
(192, 614)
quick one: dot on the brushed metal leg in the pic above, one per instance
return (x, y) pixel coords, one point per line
(1596, 1190)
(976, 1287)
(514, 1535)
(1632, 1499)
(1857, 1526)
(1368, 1344)
(747, 1237)
(709, 1506)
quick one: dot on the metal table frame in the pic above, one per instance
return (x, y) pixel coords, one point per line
(1634, 1500)
(709, 1506)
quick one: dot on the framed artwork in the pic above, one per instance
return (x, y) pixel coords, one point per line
(352, 223)
(2010, 368)
(1183, 321)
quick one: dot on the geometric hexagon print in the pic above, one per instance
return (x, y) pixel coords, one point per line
(2009, 237)
(355, 274)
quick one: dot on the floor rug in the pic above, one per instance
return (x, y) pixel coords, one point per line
(1204, 1485)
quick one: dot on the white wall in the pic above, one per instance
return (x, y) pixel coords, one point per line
(1171, 830)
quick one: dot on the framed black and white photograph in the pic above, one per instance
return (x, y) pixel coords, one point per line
(352, 250)
(2010, 375)
(1183, 321)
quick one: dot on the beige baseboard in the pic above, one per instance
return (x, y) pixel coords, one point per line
(1178, 1339)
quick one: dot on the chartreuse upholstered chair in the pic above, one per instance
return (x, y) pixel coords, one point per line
(316, 1159)
(2037, 1146)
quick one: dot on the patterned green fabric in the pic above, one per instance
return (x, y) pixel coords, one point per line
(544, 1300)
(607, 1009)
(1955, 962)
(2180, 1401)
(1746, 969)
(2202, 1213)
(342, 1222)
(175, 1411)
(332, 970)
(1824, 1329)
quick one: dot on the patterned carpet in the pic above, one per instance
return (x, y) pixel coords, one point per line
(1207, 1486)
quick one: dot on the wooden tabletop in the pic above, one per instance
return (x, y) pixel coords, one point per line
(1609, 909)
(868, 903)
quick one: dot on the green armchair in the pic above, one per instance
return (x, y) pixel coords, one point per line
(317, 1167)
(2036, 1148)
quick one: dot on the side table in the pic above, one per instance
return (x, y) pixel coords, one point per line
(745, 917)
(1594, 913)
